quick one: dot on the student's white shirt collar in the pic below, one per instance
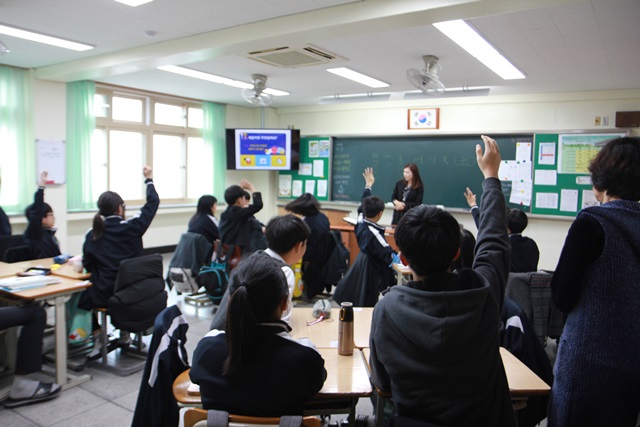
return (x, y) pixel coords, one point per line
(213, 219)
(273, 254)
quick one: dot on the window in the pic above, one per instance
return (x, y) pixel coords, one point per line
(134, 128)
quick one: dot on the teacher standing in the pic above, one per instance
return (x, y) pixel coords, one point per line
(407, 193)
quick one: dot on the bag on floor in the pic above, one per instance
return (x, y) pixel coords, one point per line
(214, 277)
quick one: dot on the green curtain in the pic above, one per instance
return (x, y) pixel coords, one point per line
(17, 162)
(81, 123)
(214, 134)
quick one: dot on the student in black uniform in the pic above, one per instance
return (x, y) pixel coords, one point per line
(111, 240)
(317, 245)
(204, 221)
(524, 251)
(40, 234)
(238, 226)
(255, 367)
(5, 225)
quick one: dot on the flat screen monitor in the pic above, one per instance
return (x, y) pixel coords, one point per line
(263, 149)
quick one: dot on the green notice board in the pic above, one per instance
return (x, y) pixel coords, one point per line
(562, 185)
(447, 165)
(313, 173)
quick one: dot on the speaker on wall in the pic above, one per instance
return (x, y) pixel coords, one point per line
(627, 119)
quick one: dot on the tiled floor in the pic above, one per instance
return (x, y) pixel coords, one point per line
(108, 400)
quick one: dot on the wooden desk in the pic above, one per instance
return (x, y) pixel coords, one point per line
(325, 333)
(65, 270)
(57, 294)
(402, 271)
(347, 378)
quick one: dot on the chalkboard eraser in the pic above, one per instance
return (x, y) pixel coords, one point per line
(441, 207)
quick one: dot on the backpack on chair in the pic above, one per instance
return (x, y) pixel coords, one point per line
(215, 277)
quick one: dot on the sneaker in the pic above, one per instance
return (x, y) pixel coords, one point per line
(96, 351)
(44, 391)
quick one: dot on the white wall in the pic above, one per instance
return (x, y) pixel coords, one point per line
(525, 113)
(482, 115)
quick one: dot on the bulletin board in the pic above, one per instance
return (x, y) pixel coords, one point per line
(561, 181)
(51, 157)
(313, 173)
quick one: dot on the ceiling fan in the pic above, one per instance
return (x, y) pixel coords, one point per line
(256, 95)
(427, 79)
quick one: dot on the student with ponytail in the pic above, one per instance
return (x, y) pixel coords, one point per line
(255, 367)
(111, 240)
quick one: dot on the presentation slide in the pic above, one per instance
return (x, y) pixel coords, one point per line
(263, 149)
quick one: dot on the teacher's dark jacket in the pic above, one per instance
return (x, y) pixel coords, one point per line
(122, 240)
(414, 198)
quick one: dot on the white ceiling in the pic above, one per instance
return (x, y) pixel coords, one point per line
(561, 45)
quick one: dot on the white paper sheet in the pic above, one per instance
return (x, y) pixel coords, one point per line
(318, 168)
(521, 192)
(322, 188)
(523, 151)
(523, 170)
(284, 186)
(323, 150)
(583, 180)
(310, 187)
(313, 148)
(306, 169)
(547, 200)
(589, 199)
(547, 153)
(296, 188)
(569, 200)
(508, 170)
(546, 177)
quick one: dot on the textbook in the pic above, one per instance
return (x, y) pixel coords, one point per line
(13, 284)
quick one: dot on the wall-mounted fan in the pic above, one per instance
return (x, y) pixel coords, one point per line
(255, 95)
(427, 79)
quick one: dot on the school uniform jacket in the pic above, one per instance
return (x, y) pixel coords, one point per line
(235, 226)
(281, 375)
(5, 225)
(435, 343)
(122, 240)
(42, 241)
(206, 225)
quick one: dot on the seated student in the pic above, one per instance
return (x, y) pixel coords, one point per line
(40, 234)
(25, 390)
(287, 242)
(435, 341)
(204, 221)
(255, 367)
(317, 248)
(371, 272)
(237, 223)
(524, 251)
(111, 240)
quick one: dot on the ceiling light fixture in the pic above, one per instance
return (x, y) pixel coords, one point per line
(133, 3)
(450, 92)
(355, 97)
(41, 38)
(357, 77)
(468, 39)
(216, 79)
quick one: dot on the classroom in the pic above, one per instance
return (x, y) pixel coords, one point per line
(580, 59)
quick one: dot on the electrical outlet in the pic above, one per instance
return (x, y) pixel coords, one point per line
(605, 121)
(597, 121)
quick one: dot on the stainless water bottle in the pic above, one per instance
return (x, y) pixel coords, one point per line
(345, 329)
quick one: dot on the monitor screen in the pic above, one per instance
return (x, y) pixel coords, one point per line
(263, 149)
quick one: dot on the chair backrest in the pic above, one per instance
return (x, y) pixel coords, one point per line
(195, 416)
(17, 254)
(7, 242)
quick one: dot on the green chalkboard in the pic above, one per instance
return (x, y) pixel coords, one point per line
(447, 165)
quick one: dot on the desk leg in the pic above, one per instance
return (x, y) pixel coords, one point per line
(352, 412)
(399, 278)
(379, 409)
(62, 378)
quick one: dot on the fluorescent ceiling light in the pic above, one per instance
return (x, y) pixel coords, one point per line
(133, 3)
(468, 39)
(41, 38)
(357, 77)
(217, 79)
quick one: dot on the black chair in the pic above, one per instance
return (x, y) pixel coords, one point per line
(17, 254)
(7, 242)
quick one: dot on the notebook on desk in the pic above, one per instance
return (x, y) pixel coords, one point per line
(350, 220)
(14, 284)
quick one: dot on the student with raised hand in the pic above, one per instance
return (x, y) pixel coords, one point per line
(237, 224)
(255, 367)
(287, 237)
(597, 285)
(204, 221)
(435, 341)
(25, 389)
(111, 240)
(407, 193)
(40, 233)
